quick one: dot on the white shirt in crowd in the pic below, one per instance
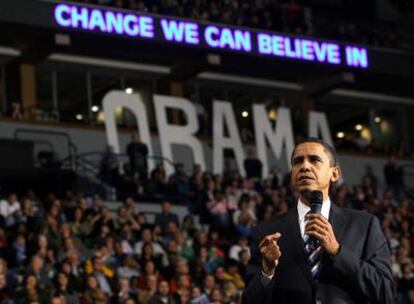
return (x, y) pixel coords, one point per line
(235, 250)
(7, 209)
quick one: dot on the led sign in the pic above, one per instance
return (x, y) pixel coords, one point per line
(208, 36)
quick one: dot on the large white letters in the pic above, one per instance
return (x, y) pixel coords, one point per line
(282, 134)
(223, 114)
(280, 138)
(319, 123)
(174, 134)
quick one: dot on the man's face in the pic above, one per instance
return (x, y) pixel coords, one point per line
(163, 288)
(166, 207)
(57, 300)
(136, 138)
(63, 280)
(312, 170)
(12, 198)
(37, 264)
(129, 202)
(147, 235)
(210, 281)
(98, 264)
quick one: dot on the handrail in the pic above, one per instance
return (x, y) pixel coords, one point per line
(90, 169)
(44, 142)
(120, 155)
(72, 149)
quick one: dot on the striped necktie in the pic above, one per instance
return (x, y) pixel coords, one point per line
(314, 253)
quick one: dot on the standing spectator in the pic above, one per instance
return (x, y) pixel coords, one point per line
(158, 179)
(108, 168)
(252, 165)
(138, 152)
(180, 184)
(394, 176)
(196, 192)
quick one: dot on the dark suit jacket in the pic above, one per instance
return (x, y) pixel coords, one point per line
(360, 273)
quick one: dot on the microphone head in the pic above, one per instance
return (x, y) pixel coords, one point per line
(316, 199)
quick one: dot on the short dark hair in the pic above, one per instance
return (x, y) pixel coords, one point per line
(333, 157)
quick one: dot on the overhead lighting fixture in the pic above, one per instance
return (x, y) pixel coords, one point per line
(358, 127)
(273, 114)
(129, 90)
(245, 114)
(95, 109)
(340, 135)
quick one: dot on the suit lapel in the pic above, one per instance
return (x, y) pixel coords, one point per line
(296, 244)
(336, 218)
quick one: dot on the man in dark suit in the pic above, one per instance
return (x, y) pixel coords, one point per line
(349, 258)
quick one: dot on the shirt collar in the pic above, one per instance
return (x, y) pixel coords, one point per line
(303, 209)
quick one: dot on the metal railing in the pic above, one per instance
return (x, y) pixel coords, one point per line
(88, 165)
(71, 147)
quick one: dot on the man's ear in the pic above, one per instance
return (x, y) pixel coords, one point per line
(336, 174)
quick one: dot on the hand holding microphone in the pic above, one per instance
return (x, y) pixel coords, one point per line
(318, 227)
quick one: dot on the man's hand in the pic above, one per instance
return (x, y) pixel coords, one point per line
(319, 228)
(270, 251)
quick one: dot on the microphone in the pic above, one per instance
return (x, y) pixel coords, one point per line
(315, 199)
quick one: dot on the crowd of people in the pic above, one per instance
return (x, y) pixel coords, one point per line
(75, 249)
(292, 16)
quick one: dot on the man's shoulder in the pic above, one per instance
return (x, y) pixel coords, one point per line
(356, 213)
(357, 216)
